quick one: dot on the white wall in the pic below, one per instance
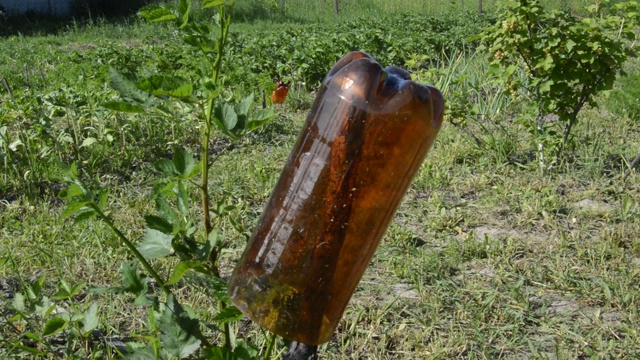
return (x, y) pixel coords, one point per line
(53, 7)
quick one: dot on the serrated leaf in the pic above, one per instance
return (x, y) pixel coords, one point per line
(132, 280)
(84, 215)
(123, 107)
(228, 314)
(90, 319)
(126, 87)
(218, 353)
(73, 208)
(183, 162)
(260, 118)
(166, 210)
(54, 325)
(181, 334)
(165, 167)
(227, 116)
(211, 3)
(156, 13)
(72, 191)
(181, 269)
(155, 244)
(157, 223)
(219, 288)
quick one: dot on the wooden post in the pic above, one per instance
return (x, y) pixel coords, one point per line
(336, 6)
(480, 7)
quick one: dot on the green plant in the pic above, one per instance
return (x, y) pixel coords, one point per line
(560, 61)
(173, 230)
(57, 324)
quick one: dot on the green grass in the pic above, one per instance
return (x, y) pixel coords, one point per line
(486, 258)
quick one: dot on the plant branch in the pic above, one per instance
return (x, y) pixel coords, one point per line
(132, 248)
(572, 119)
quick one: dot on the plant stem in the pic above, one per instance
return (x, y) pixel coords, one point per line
(204, 188)
(132, 248)
(272, 341)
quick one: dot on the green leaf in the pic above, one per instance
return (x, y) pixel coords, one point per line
(244, 351)
(183, 199)
(73, 190)
(73, 208)
(143, 353)
(155, 244)
(35, 289)
(228, 314)
(211, 3)
(83, 215)
(66, 291)
(212, 241)
(31, 350)
(184, 7)
(123, 107)
(54, 325)
(181, 334)
(219, 288)
(260, 118)
(90, 319)
(132, 280)
(88, 142)
(545, 86)
(18, 302)
(218, 353)
(126, 87)
(158, 223)
(163, 85)
(181, 269)
(244, 106)
(183, 162)
(165, 167)
(156, 13)
(226, 115)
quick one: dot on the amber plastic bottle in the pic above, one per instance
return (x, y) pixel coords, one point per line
(365, 138)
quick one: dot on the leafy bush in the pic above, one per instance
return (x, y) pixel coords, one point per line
(560, 61)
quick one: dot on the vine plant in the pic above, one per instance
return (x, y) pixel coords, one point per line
(560, 61)
(173, 230)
